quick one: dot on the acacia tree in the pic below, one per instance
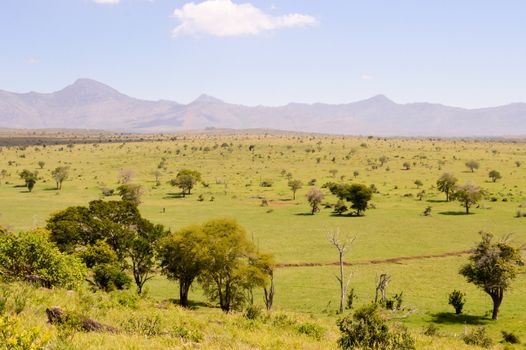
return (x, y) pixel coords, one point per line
(492, 268)
(472, 165)
(186, 180)
(131, 192)
(315, 197)
(60, 174)
(495, 175)
(358, 194)
(181, 258)
(468, 195)
(446, 183)
(230, 269)
(294, 186)
(30, 178)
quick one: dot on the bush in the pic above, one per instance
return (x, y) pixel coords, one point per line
(192, 335)
(478, 337)
(14, 336)
(457, 300)
(510, 338)
(109, 277)
(369, 329)
(312, 330)
(431, 330)
(32, 256)
(253, 312)
(144, 325)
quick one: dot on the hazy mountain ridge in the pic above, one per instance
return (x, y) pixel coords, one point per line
(88, 104)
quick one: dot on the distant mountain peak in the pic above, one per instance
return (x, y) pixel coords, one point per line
(204, 98)
(380, 99)
(89, 87)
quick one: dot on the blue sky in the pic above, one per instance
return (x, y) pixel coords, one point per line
(468, 53)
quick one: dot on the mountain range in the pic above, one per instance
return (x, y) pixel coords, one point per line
(88, 104)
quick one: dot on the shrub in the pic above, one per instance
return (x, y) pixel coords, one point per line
(312, 330)
(351, 296)
(478, 337)
(150, 325)
(253, 312)
(369, 329)
(431, 330)
(14, 336)
(31, 255)
(109, 277)
(457, 300)
(192, 335)
(510, 338)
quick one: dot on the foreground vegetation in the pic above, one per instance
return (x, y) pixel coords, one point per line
(385, 192)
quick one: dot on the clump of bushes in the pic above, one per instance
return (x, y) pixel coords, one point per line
(31, 256)
(478, 337)
(368, 329)
(14, 336)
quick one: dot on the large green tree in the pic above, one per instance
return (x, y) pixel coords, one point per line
(492, 267)
(119, 224)
(231, 268)
(182, 258)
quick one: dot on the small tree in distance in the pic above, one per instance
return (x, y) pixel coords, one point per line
(472, 165)
(494, 175)
(315, 197)
(295, 185)
(468, 195)
(446, 183)
(60, 174)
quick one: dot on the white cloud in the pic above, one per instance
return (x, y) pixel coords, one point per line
(225, 18)
(367, 77)
(112, 2)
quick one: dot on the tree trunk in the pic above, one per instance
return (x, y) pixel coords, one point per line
(184, 288)
(342, 285)
(269, 294)
(496, 297)
(467, 209)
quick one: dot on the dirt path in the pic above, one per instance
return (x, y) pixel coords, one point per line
(397, 260)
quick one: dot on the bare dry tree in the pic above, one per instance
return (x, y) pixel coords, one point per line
(381, 287)
(342, 245)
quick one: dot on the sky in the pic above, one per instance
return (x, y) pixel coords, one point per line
(466, 53)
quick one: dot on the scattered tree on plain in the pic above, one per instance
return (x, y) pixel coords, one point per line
(472, 165)
(294, 186)
(315, 197)
(342, 245)
(493, 266)
(60, 174)
(446, 183)
(494, 175)
(186, 180)
(30, 178)
(468, 195)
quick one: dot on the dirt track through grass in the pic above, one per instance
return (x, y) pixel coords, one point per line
(396, 260)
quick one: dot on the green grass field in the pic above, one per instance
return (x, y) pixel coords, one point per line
(395, 229)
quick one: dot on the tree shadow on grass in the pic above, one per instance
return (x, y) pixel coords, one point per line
(455, 213)
(304, 214)
(51, 189)
(436, 201)
(175, 195)
(451, 318)
(350, 215)
(192, 305)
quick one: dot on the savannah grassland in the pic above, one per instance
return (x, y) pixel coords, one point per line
(432, 248)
